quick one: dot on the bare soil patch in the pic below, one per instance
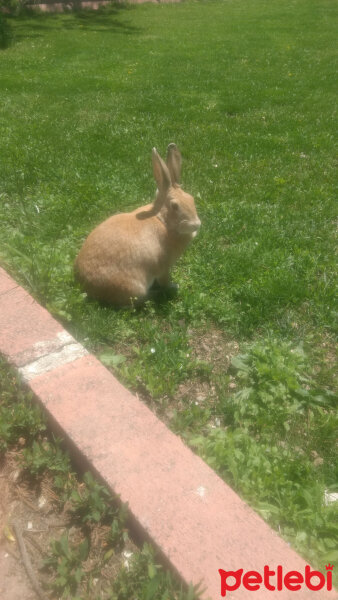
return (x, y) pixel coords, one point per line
(34, 511)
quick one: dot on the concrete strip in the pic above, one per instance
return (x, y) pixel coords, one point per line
(52, 360)
(41, 349)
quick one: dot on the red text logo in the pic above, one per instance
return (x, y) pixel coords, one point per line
(275, 580)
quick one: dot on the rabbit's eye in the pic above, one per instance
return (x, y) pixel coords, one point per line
(174, 205)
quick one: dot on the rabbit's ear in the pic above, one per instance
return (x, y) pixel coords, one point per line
(174, 162)
(161, 172)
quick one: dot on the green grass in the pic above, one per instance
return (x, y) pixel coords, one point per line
(248, 92)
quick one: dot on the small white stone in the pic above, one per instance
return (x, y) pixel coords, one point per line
(15, 475)
(65, 337)
(201, 491)
(29, 525)
(127, 555)
(42, 501)
(330, 497)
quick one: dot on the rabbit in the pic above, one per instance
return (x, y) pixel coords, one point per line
(125, 255)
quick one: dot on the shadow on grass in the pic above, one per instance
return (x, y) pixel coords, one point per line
(106, 19)
(6, 34)
(160, 298)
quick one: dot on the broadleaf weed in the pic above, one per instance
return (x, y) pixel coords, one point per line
(278, 448)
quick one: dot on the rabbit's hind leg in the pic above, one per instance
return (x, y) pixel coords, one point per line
(165, 283)
(160, 293)
(135, 292)
(163, 280)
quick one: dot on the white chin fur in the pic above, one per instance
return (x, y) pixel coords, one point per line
(186, 229)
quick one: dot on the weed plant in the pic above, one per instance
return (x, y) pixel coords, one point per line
(155, 584)
(277, 446)
(66, 562)
(19, 416)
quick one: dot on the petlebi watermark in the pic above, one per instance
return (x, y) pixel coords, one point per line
(276, 579)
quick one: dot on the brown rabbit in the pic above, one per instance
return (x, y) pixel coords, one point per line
(126, 254)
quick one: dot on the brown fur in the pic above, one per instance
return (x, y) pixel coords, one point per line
(124, 255)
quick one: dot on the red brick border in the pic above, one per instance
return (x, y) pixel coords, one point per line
(196, 520)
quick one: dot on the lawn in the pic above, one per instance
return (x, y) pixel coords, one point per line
(241, 362)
